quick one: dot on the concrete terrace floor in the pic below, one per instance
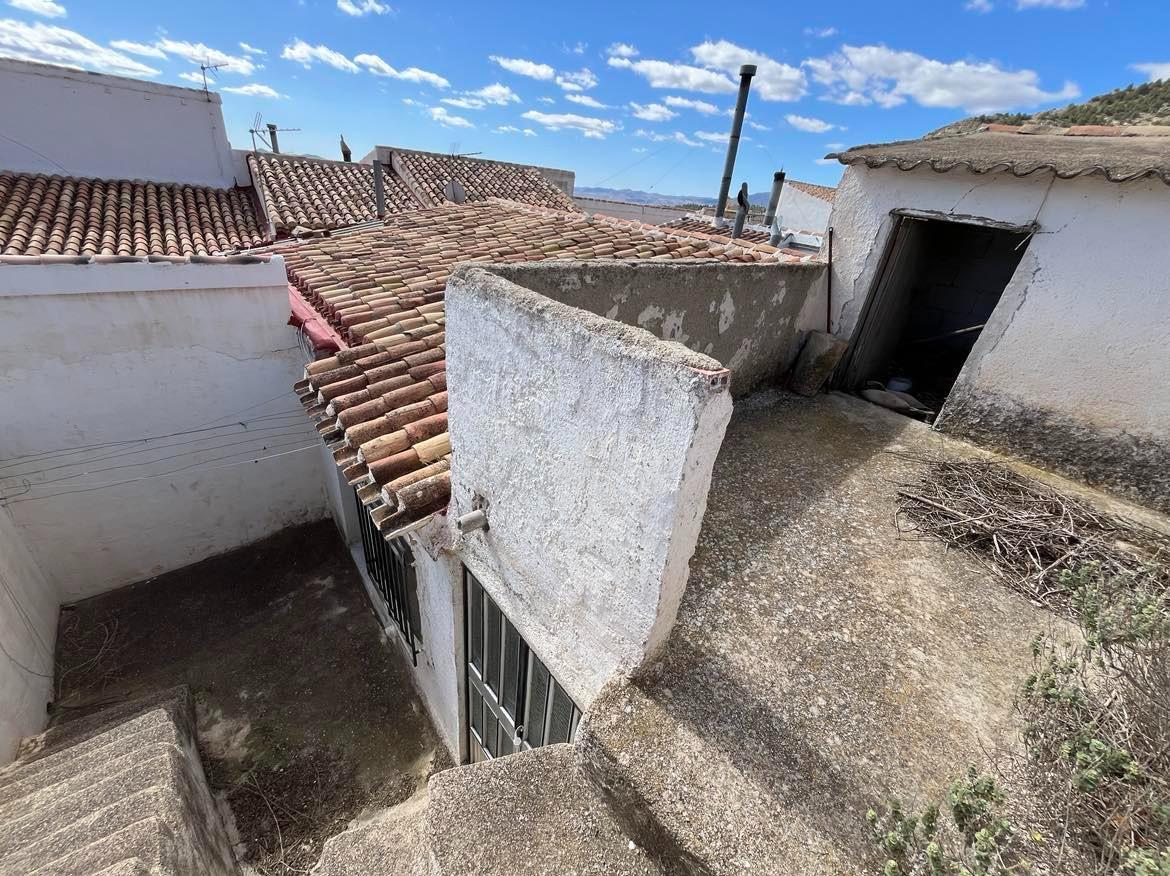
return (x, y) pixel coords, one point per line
(820, 663)
(306, 719)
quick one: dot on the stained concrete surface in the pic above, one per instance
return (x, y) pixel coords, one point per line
(306, 718)
(820, 662)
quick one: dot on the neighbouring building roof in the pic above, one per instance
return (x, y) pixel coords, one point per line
(1116, 153)
(381, 403)
(314, 193)
(62, 215)
(825, 193)
(705, 226)
(320, 194)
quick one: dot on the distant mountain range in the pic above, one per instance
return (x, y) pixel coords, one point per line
(636, 196)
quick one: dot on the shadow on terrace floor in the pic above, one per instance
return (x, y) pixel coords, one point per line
(306, 717)
(820, 662)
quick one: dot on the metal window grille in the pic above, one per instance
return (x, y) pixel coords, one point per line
(391, 566)
(513, 701)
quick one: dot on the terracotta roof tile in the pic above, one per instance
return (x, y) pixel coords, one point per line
(381, 404)
(481, 179)
(314, 193)
(825, 193)
(59, 215)
(323, 195)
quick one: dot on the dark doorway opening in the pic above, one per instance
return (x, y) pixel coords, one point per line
(936, 289)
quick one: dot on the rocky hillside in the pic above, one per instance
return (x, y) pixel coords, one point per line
(1145, 104)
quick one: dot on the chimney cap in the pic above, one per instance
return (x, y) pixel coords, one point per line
(747, 70)
(777, 175)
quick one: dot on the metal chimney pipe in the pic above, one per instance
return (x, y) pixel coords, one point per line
(272, 138)
(746, 72)
(379, 188)
(774, 198)
(741, 211)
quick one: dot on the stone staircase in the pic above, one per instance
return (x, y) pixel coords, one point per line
(119, 792)
(534, 812)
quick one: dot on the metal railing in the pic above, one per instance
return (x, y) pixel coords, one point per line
(391, 566)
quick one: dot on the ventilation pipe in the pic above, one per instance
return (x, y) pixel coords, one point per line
(272, 141)
(746, 72)
(346, 155)
(741, 211)
(379, 188)
(774, 198)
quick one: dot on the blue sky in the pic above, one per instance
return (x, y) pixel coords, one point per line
(629, 95)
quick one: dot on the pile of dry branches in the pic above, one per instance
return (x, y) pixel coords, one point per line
(1026, 529)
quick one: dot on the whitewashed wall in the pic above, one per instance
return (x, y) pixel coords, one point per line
(803, 211)
(592, 443)
(198, 359)
(28, 630)
(1072, 369)
(63, 121)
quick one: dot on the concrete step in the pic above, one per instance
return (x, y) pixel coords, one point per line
(392, 843)
(534, 812)
(129, 793)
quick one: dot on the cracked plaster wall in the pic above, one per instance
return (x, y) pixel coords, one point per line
(592, 443)
(1072, 371)
(752, 319)
(91, 354)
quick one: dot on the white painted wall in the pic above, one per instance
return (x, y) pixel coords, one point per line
(593, 444)
(92, 354)
(28, 630)
(802, 211)
(1080, 332)
(96, 125)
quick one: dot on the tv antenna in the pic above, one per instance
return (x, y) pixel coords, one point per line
(204, 68)
(267, 133)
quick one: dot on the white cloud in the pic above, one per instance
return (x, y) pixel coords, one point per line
(1154, 71)
(857, 74)
(363, 7)
(523, 67)
(577, 49)
(756, 126)
(663, 74)
(47, 8)
(581, 80)
(623, 63)
(306, 55)
(193, 76)
(467, 103)
(820, 32)
(622, 50)
(700, 106)
(672, 137)
(378, 67)
(593, 128)
(51, 44)
(512, 129)
(252, 50)
(410, 101)
(773, 80)
(834, 147)
(652, 112)
(713, 137)
(198, 53)
(498, 93)
(254, 89)
(1049, 4)
(586, 100)
(808, 124)
(979, 6)
(640, 149)
(447, 119)
(546, 100)
(134, 48)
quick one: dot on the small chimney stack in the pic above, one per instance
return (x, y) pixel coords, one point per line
(746, 72)
(346, 155)
(379, 187)
(272, 141)
(741, 211)
(774, 198)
